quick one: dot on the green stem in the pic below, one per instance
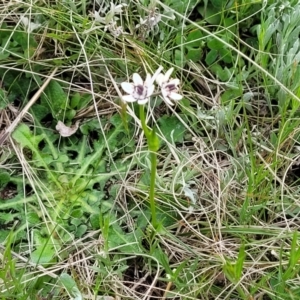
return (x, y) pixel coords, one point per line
(153, 157)
(153, 147)
(143, 122)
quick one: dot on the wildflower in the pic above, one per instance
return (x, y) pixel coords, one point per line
(110, 15)
(117, 9)
(169, 87)
(30, 26)
(150, 21)
(139, 90)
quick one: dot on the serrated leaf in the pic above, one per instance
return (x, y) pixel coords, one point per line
(24, 136)
(8, 217)
(124, 242)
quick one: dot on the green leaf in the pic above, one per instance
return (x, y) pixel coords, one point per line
(230, 95)
(4, 178)
(8, 217)
(124, 242)
(172, 129)
(40, 111)
(19, 86)
(77, 213)
(42, 255)
(210, 14)
(194, 54)
(211, 56)
(180, 59)
(4, 55)
(193, 38)
(240, 262)
(75, 100)
(219, 4)
(24, 136)
(159, 254)
(81, 230)
(4, 234)
(70, 285)
(55, 97)
(222, 73)
(215, 44)
(32, 218)
(226, 55)
(24, 40)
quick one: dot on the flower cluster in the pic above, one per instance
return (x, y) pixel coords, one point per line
(140, 91)
(110, 19)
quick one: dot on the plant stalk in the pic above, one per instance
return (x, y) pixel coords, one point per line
(153, 146)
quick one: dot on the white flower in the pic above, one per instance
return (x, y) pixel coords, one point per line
(97, 17)
(169, 87)
(150, 21)
(139, 90)
(30, 26)
(110, 15)
(116, 9)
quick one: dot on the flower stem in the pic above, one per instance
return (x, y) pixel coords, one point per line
(153, 158)
(153, 146)
(143, 121)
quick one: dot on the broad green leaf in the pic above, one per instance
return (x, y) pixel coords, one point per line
(219, 4)
(210, 14)
(211, 57)
(194, 54)
(125, 242)
(222, 73)
(226, 56)
(24, 40)
(215, 44)
(55, 97)
(172, 129)
(43, 254)
(75, 100)
(40, 111)
(81, 230)
(193, 38)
